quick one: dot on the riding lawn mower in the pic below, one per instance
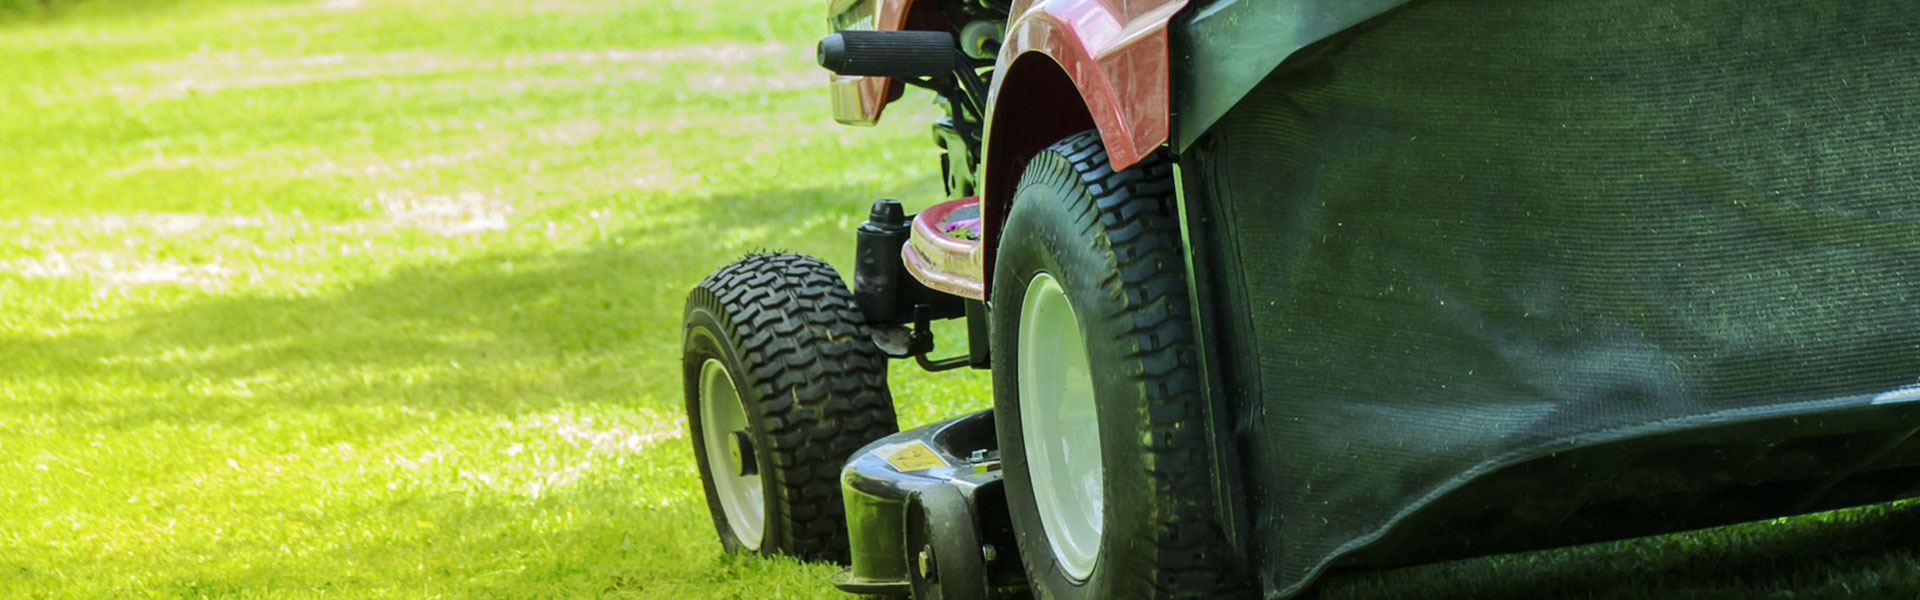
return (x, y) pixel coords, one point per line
(1271, 287)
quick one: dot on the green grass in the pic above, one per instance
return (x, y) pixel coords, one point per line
(381, 299)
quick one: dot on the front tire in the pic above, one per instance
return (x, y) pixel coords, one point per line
(1102, 420)
(782, 385)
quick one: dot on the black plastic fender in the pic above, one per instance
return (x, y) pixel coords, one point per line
(933, 487)
(1221, 50)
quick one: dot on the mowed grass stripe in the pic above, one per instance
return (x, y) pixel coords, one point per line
(381, 299)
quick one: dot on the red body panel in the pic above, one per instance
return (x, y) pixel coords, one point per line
(1112, 53)
(1115, 51)
(943, 262)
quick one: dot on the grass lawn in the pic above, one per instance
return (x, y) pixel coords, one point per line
(370, 298)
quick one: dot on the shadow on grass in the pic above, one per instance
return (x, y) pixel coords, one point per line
(12, 11)
(499, 333)
(499, 336)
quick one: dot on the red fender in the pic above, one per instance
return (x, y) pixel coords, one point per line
(1113, 53)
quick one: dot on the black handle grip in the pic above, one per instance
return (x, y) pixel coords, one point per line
(889, 53)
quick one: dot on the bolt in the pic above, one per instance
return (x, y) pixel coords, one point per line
(988, 553)
(926, 564)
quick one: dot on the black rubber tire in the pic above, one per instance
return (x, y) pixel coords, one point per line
(1111, 239)
(813, 387)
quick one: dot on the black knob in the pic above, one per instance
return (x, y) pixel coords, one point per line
(832, 52)
(887, 213)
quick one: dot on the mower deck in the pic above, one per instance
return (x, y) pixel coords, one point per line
(1840, 454)
(882, 483)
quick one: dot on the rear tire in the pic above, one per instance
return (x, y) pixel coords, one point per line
(782, 385)
(1102, 249)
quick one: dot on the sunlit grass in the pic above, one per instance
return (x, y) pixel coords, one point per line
(377, 299)
(382, 299)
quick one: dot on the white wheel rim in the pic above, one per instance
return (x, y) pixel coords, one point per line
(722, 418)
(1059, 426)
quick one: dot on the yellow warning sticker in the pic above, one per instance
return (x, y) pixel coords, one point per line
(914, 456)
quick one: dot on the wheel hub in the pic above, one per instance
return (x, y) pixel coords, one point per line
(1059, 426)
(723, 425)
(926, 564)
(740, 454)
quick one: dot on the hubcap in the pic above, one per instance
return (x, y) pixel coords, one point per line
(1059, 426)
(723, 429)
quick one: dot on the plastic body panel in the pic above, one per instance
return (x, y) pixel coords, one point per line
(877, 482)
(1857, 453)
(1222, 49)
(1115, 51)
(1372, 214)
(1067, 66)
(943, 262)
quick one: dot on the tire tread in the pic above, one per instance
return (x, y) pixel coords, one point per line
(1133, 216)
(820, 385)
